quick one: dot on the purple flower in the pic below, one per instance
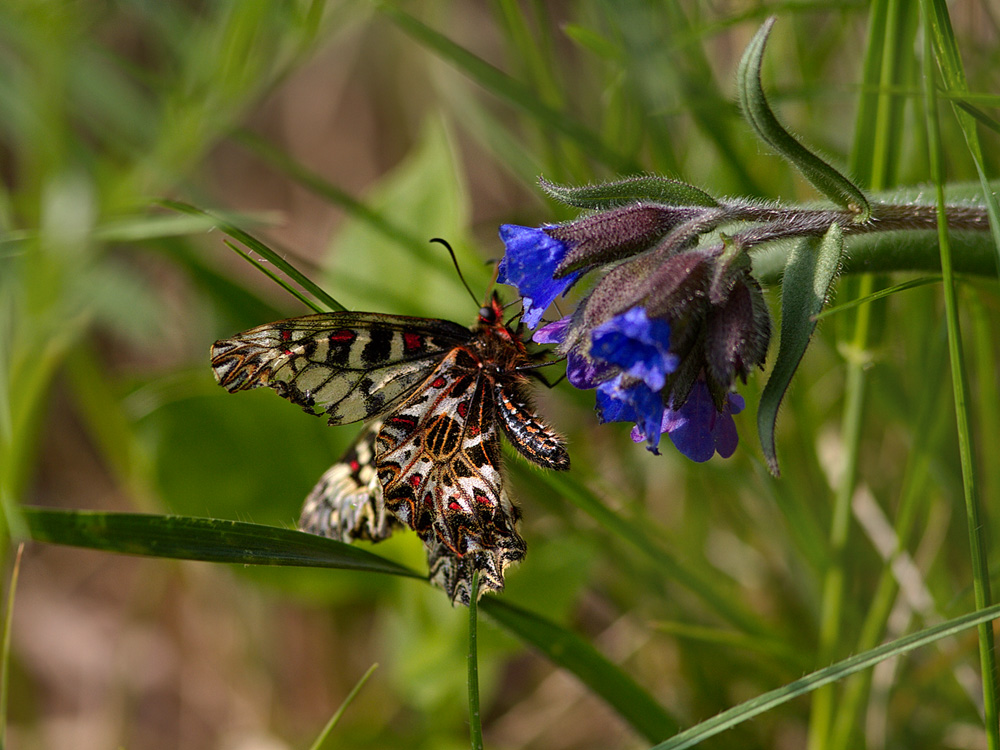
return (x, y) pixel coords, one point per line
(552, 333)
(698, 429)
(530, 263)
(632, 402)
(638, 344)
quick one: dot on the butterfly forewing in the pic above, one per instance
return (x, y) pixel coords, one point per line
(351, 366)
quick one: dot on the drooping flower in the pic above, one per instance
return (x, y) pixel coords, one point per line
(667, 328)
(530, 263)
(623, 399)
(640, 345)
(696, 428)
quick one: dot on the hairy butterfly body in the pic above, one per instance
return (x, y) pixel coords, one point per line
(442, 394)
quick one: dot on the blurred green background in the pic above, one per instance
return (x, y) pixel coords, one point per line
(345, 135)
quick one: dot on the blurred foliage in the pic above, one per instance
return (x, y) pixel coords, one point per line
(347, 134)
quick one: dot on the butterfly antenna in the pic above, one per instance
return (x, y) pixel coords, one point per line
(458, 270)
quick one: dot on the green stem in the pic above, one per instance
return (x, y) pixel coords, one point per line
(963, 418)
(475, 718)
(833, 584)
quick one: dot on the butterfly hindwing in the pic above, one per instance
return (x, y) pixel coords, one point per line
(346, 504)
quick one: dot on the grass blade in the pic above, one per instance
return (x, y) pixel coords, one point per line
(205, 539)
(263, 250)
(343, 707)
(573, 653)
(827, 675)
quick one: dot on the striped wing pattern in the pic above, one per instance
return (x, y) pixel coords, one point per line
(351, 366)
(440, 395)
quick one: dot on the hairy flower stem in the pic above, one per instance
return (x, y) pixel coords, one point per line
(779, 223)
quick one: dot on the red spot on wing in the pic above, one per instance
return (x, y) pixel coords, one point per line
(355, 466)
(412, 342)
(439, 382)
(453, 505)
(463, 409)
(342, 336)
(286, 335)
(415, 480)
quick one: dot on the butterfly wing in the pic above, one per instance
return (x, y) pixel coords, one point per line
(438, 459)
(349, 365)
(346, 503)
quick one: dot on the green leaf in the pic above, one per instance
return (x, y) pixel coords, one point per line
(629, 190)
(756, 706)
(572, 652)
(206, 539)
(820, 174)
(811, 269)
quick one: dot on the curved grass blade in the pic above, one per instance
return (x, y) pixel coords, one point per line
(812, 267)
(756, 706)
(205, 539)
(823, 176)
(880, 294)
(318, 744)
(261, 249)
(575, 654)
(274, 277)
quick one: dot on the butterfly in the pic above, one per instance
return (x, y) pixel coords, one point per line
(438, 395)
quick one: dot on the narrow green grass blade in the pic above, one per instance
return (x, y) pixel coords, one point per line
(880, 294)
(475, 715)
(5, 645)
(575, 654)
(949, 62)
(511, 90)
(263, 250)
(335, 719)
(827, 675)
(274, 277)
(205, 539)
(945, 44)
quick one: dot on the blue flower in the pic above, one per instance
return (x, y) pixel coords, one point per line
(581, 372)
(632, 401)
(697, 429)
(530, 263)
(638, 344)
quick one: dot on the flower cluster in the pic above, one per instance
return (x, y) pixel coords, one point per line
(665, 330)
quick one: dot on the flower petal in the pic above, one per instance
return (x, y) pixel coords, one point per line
(638, 344)
(634, 402)
(529, 264)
